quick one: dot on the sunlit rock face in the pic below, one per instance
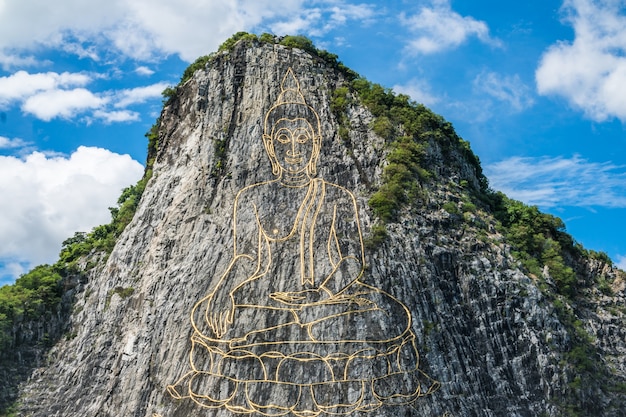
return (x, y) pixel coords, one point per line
(450, 320)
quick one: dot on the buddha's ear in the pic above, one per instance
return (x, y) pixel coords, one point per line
(269, 148)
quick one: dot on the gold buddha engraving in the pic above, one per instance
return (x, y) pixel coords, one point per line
(290, 326)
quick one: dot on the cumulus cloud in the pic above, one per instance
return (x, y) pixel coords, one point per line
(11, 269)
(45, 199)
(6, 143)
(323, 18)
(80, 50)
(418, 90)
(142, 29)
(143, 70)
(621, 262)
(590, 71)
(127, 97)
(23, 23)
(8, 61)
(341, 14)
(61, 103)
(506, 88)
(116, 116)
(21, 85)
(558, 181)
(299, 23)
(437, 27)
(51, 95)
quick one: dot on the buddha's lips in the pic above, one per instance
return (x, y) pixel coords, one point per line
(293, 161)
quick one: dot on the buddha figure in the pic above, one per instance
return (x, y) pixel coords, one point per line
(291, 326)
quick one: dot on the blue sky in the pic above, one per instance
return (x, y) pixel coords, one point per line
(537, 87)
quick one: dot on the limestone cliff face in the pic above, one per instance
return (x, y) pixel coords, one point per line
(484, 330)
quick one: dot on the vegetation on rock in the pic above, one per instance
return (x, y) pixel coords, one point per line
(33, 294)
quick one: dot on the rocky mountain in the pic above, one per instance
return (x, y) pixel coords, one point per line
(372, 271)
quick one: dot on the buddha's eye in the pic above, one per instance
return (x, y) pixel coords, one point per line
(283, 137)
(301, 135)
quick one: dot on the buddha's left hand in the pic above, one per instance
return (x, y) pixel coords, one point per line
(302, 298)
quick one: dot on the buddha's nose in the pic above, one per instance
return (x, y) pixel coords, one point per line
(293, 151)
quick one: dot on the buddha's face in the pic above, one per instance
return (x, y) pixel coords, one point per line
(293, 141)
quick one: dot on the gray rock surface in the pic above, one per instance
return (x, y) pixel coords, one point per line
(483, 328)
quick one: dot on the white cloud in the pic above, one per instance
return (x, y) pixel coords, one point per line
(418, 90)
(589, 72)
(343, 13)
(143, 70)
(301, 23)
(6, 143)
(142, 29)
(21, 85)
(80, 50)
(66, 104)
(509, 89)
(549, 182)
(132, 40)
(51, 95)
(11, 269)
(116, 116)
(45, 199)
(323, 18)
(137, 29)
(26, 23)
(621, 262)
(125, 98)
(8, 60)
(438, 28)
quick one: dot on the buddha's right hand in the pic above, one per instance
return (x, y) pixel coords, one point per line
(220, 312)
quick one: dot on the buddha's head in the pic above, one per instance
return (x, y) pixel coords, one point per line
(292, 132)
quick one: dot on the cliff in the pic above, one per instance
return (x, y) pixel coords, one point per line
(494, 336)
